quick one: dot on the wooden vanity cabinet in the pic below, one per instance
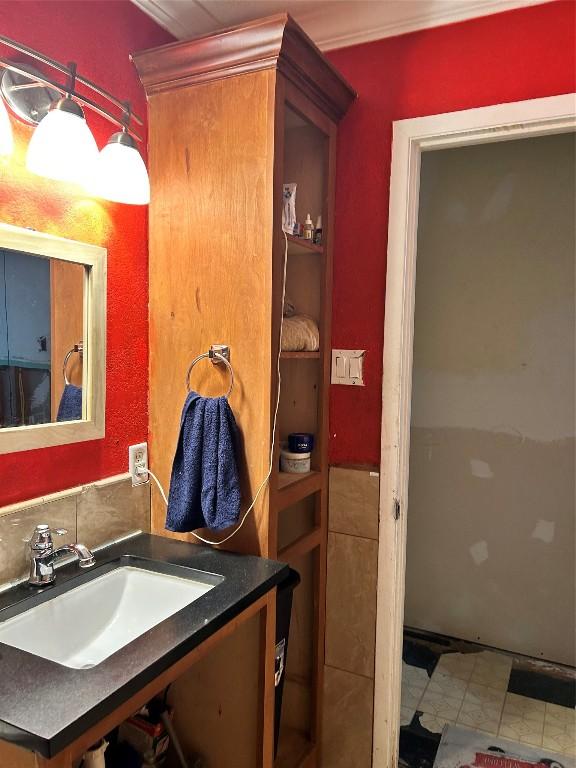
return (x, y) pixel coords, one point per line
(232, 117)
(260, 616)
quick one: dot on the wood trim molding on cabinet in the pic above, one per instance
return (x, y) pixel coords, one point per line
(275, 42)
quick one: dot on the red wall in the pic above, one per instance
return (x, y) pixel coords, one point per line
(98, 36)
(521, 54)
(511, 56)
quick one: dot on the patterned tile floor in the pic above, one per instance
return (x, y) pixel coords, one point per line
(472, 689)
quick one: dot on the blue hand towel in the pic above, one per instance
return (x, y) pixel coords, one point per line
(70, 408)
(204, 486)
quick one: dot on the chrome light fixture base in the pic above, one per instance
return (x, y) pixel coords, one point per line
(123, 138)
(66, 104)
(26, 97)
(61, 147)
(25, 77)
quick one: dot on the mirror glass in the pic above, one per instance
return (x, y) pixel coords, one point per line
(42, 339)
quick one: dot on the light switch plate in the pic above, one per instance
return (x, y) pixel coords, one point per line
(348, 367)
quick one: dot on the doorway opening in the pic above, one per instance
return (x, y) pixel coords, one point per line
(476, 587)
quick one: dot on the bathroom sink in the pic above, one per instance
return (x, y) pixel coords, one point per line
(83, 626)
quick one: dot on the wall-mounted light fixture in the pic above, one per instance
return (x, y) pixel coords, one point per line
(120, 171)
(6, 141)
(62, 146)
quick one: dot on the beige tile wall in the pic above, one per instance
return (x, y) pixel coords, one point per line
(354, 502)
(348, 707)
(350, 618)
(351, 603)
(92, 514)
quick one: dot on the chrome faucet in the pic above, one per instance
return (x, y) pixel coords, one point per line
(43, 555)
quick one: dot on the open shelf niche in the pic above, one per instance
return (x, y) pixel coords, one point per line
(300, 500)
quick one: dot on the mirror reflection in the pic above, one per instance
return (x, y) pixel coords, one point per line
(41, 339)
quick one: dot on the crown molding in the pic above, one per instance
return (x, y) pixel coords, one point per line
(275, 42)
(472, 10)
(163, 18)
(314, 21)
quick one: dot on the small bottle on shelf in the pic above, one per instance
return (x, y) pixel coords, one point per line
(308, 228)
(318, 231)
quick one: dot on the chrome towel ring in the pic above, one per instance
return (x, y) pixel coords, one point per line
(76, 348)
(219, 354)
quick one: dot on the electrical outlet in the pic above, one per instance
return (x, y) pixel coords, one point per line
(138, 459)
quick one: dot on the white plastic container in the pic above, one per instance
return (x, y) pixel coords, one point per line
(295, 463)
(94, 758)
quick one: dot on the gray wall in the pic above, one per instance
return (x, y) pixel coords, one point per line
(491, 528)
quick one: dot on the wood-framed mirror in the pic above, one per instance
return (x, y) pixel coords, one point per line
(52, 340)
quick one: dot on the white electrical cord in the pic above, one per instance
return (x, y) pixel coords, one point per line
(143, 471)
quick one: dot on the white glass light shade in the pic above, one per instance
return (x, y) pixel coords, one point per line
(121, 174)
(6, 140)
(62, 147)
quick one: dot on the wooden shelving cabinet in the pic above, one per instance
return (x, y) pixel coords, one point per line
(232, 117)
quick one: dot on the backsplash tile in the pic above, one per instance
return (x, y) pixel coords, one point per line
(350, 618)
(347, 720)
(354, 498)
(108, 510)
(17, 527)
(94, 514)
(351, 603)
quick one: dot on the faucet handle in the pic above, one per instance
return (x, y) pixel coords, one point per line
(42, 536)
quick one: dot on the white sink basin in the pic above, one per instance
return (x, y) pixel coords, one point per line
(82, 627)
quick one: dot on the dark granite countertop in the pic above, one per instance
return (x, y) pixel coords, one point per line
(44, 706)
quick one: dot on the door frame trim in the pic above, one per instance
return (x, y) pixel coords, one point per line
(502, 122)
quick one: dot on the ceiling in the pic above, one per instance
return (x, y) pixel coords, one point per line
(330, 23)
